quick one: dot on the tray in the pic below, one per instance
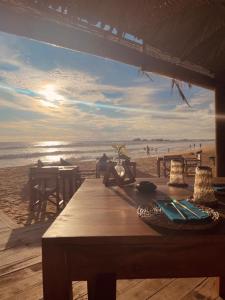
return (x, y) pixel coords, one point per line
(154, 216)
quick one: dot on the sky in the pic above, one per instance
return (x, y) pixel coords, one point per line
(52, 93)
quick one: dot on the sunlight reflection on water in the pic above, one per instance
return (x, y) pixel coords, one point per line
(50, 144)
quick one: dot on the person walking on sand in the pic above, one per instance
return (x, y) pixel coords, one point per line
(147, 150)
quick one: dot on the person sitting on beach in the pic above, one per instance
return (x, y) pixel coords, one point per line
(101, 165)
(40, 163)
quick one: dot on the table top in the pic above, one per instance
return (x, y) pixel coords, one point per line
(99, 214)
(61, 167)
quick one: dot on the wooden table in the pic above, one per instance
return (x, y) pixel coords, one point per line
(163, 161)
(99, 238)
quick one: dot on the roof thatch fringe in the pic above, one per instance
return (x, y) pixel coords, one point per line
(180, 31)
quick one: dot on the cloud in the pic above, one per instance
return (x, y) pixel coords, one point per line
(8, 67)
(75, 96)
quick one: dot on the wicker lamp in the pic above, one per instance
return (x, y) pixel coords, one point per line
(203, 190)
(177, 174)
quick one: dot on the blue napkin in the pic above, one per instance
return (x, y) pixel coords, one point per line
(174, 215)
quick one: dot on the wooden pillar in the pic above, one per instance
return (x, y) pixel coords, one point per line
(57, 283)
(102, 287)
(220, 130)
(221, 287)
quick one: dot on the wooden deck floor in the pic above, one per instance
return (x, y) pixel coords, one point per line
(21, 273)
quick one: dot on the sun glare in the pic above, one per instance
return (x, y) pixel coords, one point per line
(50, 95)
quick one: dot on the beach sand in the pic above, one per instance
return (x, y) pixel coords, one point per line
(14, 192)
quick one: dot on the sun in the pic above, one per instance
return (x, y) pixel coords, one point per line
(50, 95)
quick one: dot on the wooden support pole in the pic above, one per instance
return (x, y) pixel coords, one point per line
(102, 287)
(57, 283)
(220, 130)
(221, 285)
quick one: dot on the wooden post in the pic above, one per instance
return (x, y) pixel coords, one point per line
(102, 287)
(220, 130)
(57, 283)
(222, 287)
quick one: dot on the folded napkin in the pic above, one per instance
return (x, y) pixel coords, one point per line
(170, 211)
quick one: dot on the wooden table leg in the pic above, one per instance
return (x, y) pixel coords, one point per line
(222, 287)
(71, 186)
(164, 168)
(134, 170)
(159, 159)
(57, 284)
(158, 168)
(32, 194)
(102, 287)
(64, 189)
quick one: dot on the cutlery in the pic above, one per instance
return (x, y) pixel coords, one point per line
(185, 207)
(177, 209)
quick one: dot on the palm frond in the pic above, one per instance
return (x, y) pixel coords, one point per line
(142, 72)
(172, 84)
(178, 85)
(147, 75)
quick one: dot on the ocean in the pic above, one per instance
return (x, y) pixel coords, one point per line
(21, 153)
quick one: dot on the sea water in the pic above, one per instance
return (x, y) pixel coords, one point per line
(23, 153)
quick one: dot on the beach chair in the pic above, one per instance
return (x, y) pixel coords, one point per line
(167, 162)
(44, 186)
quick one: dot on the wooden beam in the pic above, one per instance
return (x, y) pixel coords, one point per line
(220, 130)
(26, 23)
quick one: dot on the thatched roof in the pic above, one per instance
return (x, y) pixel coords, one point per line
(189, 34)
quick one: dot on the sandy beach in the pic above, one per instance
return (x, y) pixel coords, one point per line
(14, 192)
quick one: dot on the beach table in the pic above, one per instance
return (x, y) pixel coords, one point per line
(164, 162)
(98, 237)
(69, 176)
